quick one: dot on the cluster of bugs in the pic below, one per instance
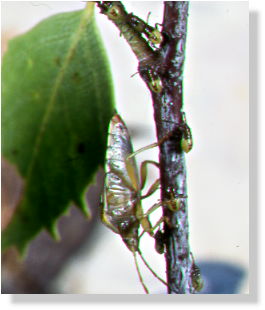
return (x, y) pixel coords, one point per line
(134, 28)
(152, 34)
(115, 10)
(122, 210)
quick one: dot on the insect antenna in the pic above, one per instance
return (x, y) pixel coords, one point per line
(134, 74)
(152, 271)
(139, 273)
(147, 19)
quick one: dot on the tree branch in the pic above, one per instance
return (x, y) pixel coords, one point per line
(169, 118)
(162, 71)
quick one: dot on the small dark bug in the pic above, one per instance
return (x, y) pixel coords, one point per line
(159, 242)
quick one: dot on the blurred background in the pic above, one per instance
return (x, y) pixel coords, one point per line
(90, 259)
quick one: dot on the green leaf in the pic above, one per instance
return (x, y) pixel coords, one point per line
(57, 100)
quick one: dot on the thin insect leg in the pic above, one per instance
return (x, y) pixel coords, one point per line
(152, 189)
(143, 170)
(150, 231)
(153, 208)
(152, 271)
(139, 273)
(144, 221)
(158, 24)
(134, 74)
(150, 146)
(142, 149)
(161, 220)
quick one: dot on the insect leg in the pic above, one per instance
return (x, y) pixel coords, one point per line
(151, 270)
(150, 146)
(172, 204)
(139, 273)
(143, 171)
(152, 189)
(151, 229)
(142, 149)
(144, 220)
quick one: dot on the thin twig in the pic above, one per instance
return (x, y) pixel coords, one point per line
(169, 118)
(166, 65)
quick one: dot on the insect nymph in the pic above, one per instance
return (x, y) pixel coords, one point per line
(121, 209)
(152, 34)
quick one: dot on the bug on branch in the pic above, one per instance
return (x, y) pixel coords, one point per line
(151, 33)
(121, 209)
(154, 81)
(112, 9)
(131, 28)
(159, 241)
(181, 135)
(186, 141)
(197, 281)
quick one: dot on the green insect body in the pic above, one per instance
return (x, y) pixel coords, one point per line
(197, 281)
(152, 34)
(186, 141)
(154, 81)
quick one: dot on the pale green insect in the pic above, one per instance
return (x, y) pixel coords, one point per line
(154, 81)
(186, 141)
(121, 209)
